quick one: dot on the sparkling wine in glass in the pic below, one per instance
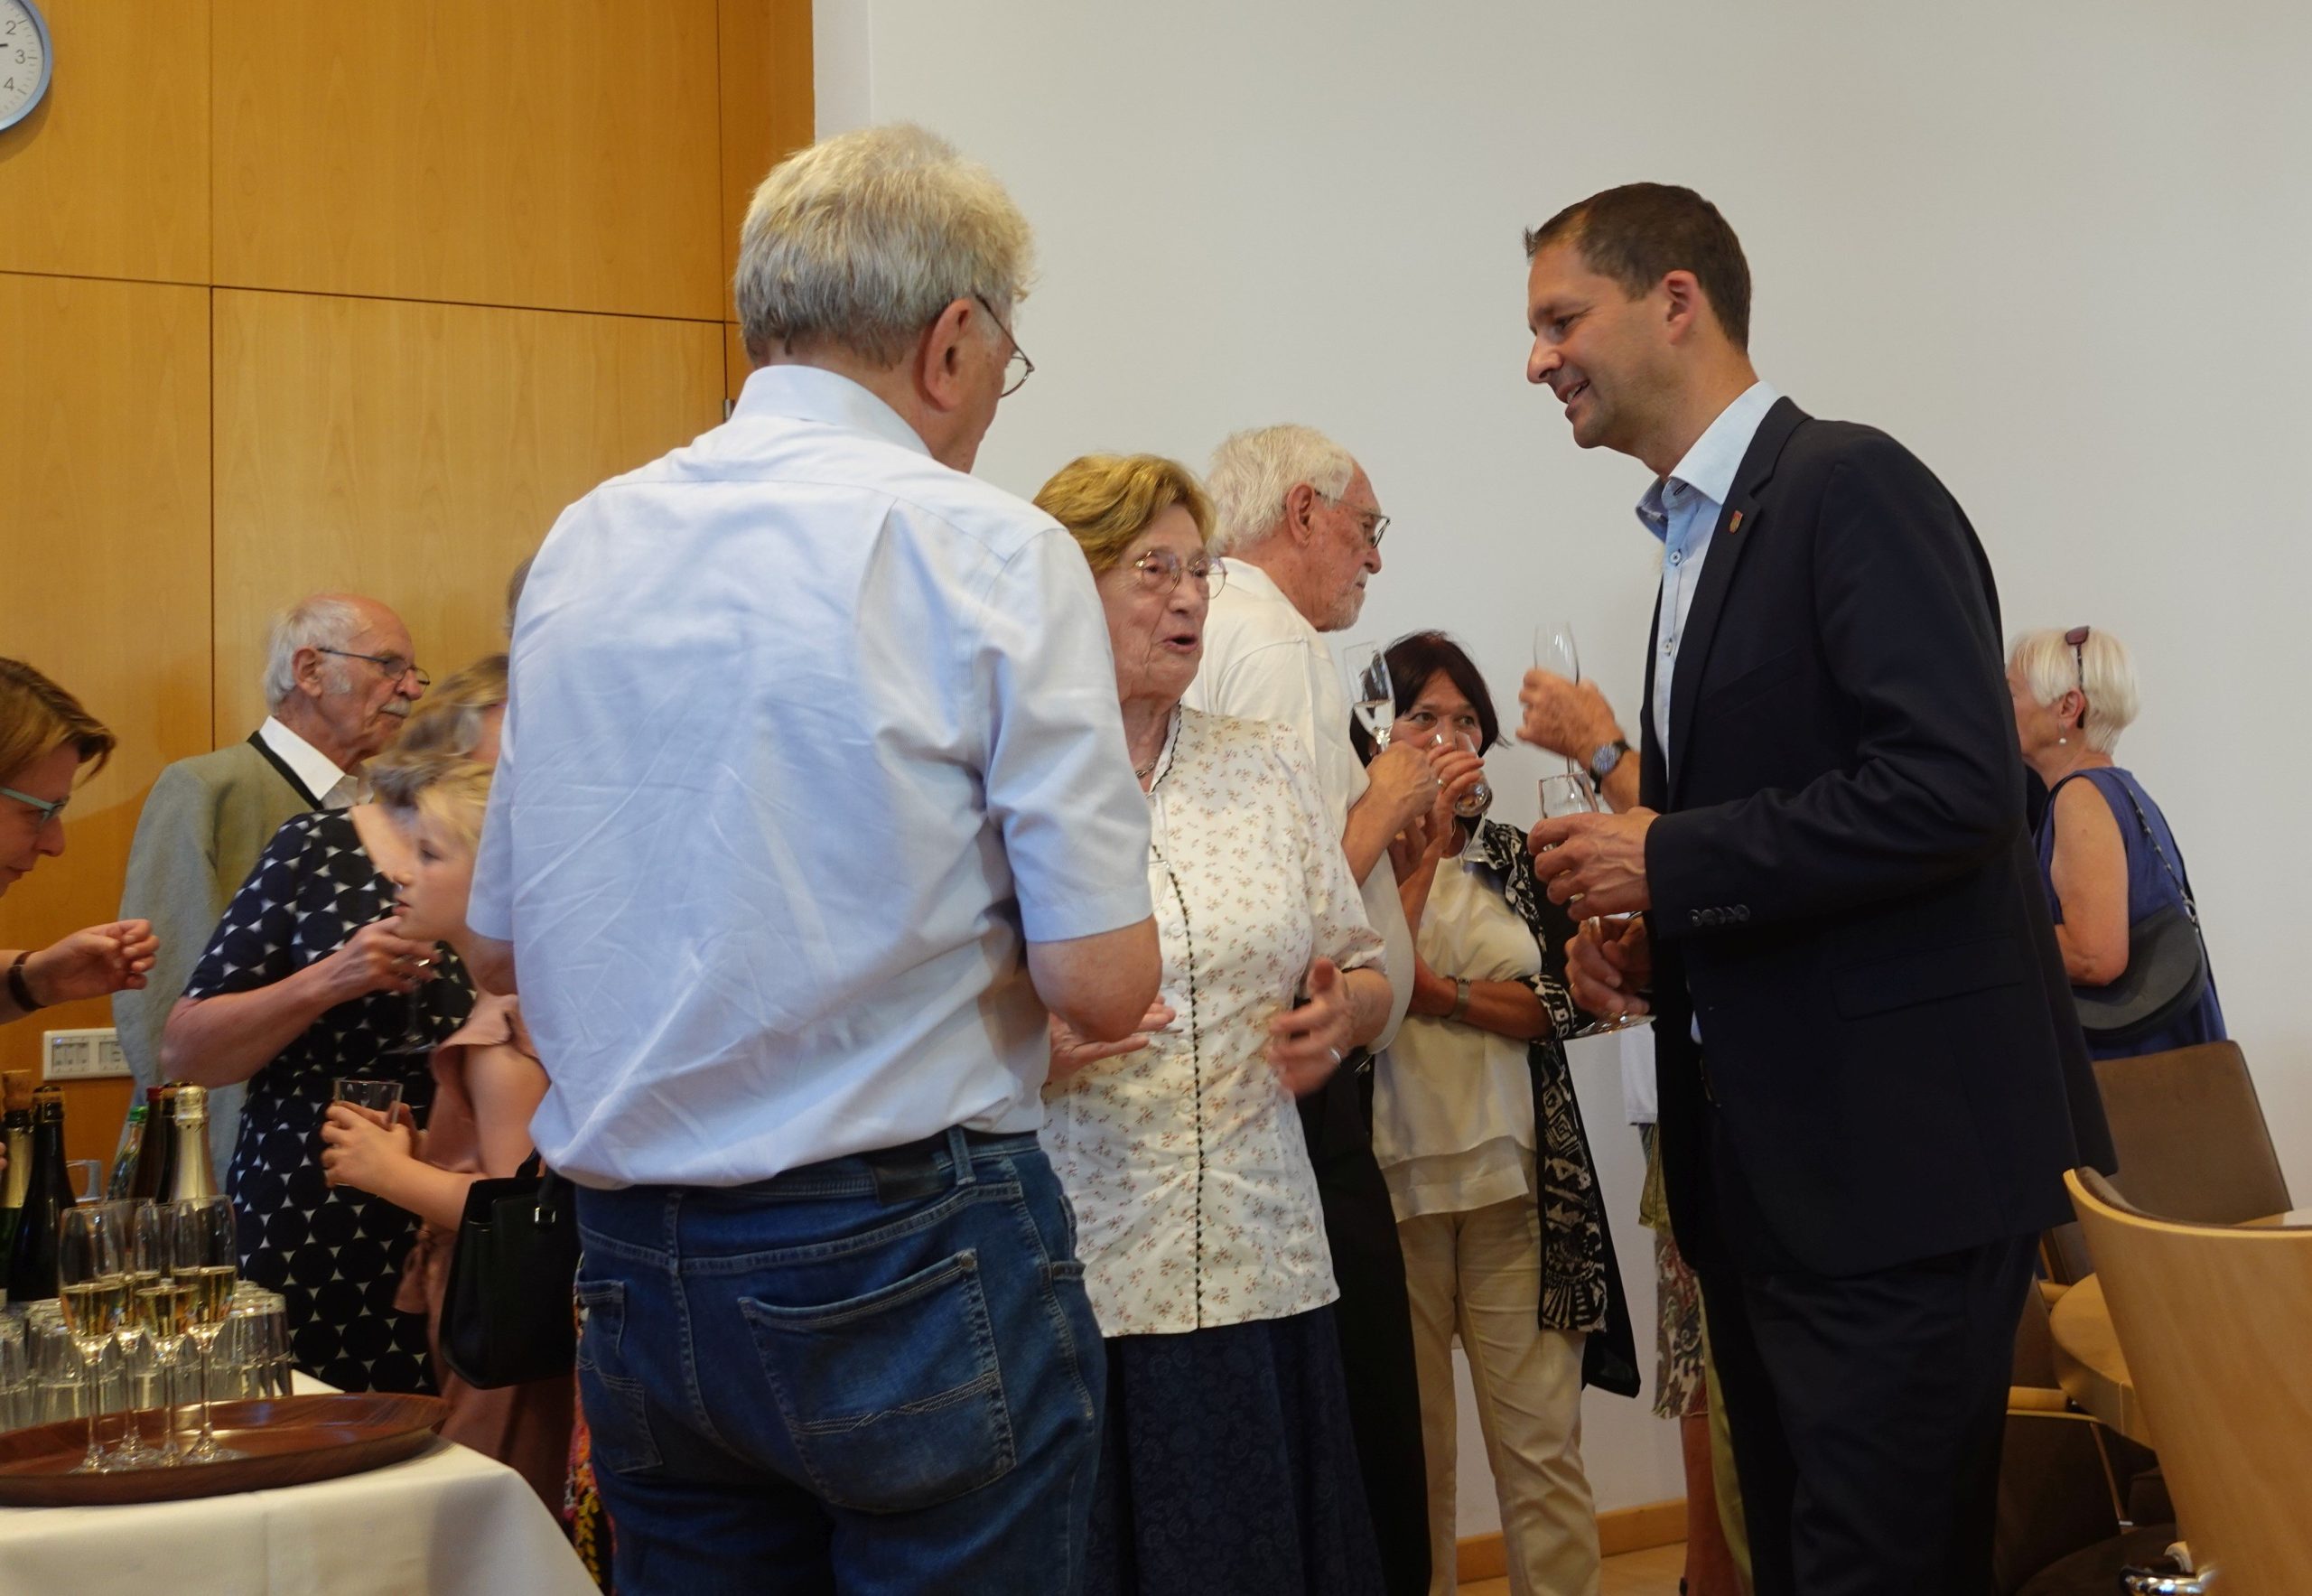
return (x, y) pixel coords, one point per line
(151, 1319)
(1365, 668)
(1573, 794)
(1479, 799)
(203, 1258)
(92, 1289)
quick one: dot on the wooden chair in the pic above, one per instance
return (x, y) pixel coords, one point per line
(2191, 1142)
(2217, 1322)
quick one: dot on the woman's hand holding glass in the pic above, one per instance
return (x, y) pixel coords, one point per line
(359, 1145)
(378, 958)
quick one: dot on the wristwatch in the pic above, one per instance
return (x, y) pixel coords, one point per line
(1460, 997)
(1609, 755)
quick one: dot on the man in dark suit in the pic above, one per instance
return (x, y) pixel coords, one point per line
(1871, 1076)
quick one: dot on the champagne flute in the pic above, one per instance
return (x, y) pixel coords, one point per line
(92, 1287)
(1365, 668)
(153, 1312)
(1555, 652)
(203, 1253)
(1573, 794)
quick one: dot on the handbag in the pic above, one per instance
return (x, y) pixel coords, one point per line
(507, 1316)
(2166, 974)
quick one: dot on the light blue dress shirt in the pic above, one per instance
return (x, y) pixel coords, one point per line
(809, 736)
(1682, 510)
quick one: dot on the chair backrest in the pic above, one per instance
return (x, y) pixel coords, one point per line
(2191, 1140)
(2216, 1323)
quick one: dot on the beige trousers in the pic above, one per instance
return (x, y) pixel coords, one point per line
(1480, 1273)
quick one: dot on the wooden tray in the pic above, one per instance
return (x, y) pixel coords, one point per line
(290, 1440)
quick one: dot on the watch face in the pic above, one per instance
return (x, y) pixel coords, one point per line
(25, 60)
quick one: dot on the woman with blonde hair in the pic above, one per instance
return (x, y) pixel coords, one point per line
(2125, 919)
(487, 1083)
(48, 744)
(1226, 1460)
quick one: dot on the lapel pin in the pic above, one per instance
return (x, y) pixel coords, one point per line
(1734, 523)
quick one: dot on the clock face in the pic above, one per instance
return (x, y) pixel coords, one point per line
(25, 60)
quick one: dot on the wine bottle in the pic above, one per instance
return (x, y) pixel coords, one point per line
(16, 1135)
(144, 1183)
(48, 1195)
(123, 1175)
(189, 1173)
(166, 1131)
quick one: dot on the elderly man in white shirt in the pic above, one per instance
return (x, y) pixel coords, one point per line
(340, 677)
(1301, 529)
(814, 801)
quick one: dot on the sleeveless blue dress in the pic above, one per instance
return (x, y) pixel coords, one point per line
(2150, 888)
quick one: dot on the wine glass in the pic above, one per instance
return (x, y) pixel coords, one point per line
(154, 1315)
(1555, 652)
(1365, 668)
(92, 1287)
(204, 1246)
(1479, 799)
(1573, 794)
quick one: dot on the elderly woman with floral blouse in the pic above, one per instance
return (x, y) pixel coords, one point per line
(1226, 1461)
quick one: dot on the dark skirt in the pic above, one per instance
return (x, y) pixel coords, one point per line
(1227, 1464)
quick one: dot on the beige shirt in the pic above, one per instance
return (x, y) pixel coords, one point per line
(1452, 1104)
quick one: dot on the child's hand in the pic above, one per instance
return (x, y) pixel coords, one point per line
(358, 1151)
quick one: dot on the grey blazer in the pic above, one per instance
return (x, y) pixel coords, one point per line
(202, 828)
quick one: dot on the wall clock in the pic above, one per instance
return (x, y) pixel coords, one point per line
(25, 59)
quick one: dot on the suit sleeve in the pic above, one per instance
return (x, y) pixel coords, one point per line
(172, 880)
(1908, 639)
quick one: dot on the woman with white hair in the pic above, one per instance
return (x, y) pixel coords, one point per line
(2125, 919)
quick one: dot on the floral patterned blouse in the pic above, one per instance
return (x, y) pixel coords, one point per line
(1185, 1161)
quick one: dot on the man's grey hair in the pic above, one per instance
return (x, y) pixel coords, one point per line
(1252, 470)
(862, 240)
(323, 620)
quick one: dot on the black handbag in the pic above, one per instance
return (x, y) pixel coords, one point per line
(508, 1315)
(2166, 974)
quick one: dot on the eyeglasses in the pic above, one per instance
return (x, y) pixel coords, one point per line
(2077, 638)
(395, 667)
(1376, 525)
(1160, 570)
(1018, 361)
(45, 810)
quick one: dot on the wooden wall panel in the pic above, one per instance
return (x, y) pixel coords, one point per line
(559, 153)
(109, 176)
(769, 107)
(417, 451)
(105, 415)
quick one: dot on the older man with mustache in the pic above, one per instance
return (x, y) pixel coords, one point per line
(340, 675)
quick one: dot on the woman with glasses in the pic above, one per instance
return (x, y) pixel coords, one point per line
(309, 978)
(1226, 1460)
(1480, 1136)
(2108, 860)
(48, 743)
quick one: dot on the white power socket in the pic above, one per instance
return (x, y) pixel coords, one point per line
(82, 1055)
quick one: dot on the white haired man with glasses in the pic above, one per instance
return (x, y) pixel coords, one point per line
(1298, 520)
(340, 677)
(813, 806)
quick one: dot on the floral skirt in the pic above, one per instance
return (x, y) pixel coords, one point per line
(1680, 1390)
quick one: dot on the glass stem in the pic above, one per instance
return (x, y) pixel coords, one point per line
(90, 1389)
(208, 1435)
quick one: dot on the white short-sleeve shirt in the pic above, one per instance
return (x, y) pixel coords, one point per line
(807, 733)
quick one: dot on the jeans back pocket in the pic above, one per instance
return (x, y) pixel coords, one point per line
(617, 1411)
(893, 1400)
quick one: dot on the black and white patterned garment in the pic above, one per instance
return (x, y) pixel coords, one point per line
(334, 1253)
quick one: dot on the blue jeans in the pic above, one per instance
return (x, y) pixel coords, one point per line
(875, 1374)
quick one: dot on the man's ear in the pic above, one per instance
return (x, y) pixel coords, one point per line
(1299, 512)
(942, 359)
(1684, 306)
(305, 669)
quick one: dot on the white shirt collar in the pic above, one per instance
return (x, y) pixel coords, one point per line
(336, 788)
(1253, 583)
(811, 393)
(1709, 464)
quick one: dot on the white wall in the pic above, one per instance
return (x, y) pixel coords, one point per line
(2056, 247)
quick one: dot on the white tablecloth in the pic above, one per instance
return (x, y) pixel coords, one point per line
(448, 1522)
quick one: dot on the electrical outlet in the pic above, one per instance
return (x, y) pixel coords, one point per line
(82, 1055)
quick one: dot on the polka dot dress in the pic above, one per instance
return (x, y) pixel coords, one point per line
(334, 1253)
